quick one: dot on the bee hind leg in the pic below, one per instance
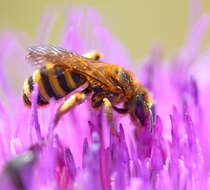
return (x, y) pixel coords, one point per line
(93, 55)
(71, 102)
(109, 116)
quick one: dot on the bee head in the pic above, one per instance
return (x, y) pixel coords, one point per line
(143, 108)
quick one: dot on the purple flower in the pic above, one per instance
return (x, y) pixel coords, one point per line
(81, 153)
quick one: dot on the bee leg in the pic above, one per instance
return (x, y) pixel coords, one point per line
(108, 109)
(93, 55)
(121, 110)
(71, 102)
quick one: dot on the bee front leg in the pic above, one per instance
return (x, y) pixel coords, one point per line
(71, 102)
(109, 116)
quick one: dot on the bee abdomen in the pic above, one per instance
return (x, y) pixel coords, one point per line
(59, 82)
(68, 80)
(27, 90)
(53, 82)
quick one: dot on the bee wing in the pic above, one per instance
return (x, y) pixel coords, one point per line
(40, 55)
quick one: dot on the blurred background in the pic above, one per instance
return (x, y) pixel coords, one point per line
(137, 24)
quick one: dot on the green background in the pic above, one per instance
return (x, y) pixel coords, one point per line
(136, 23)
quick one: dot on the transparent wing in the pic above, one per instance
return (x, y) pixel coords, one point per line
(41, 55)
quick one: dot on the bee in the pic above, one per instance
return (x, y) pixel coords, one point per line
(61, 72)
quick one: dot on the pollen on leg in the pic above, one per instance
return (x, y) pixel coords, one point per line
(93, 55)
(71, 102)
(109, 116)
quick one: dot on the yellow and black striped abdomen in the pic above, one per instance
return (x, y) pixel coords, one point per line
(53, 82)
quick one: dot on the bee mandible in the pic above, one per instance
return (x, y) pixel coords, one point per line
(61, 72)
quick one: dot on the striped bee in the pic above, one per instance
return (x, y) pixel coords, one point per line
(60, 72)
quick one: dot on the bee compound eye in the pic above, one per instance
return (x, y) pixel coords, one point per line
(140, 112)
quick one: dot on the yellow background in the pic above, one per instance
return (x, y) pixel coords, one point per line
(136, 23)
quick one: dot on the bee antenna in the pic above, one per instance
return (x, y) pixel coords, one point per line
(151, 121)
